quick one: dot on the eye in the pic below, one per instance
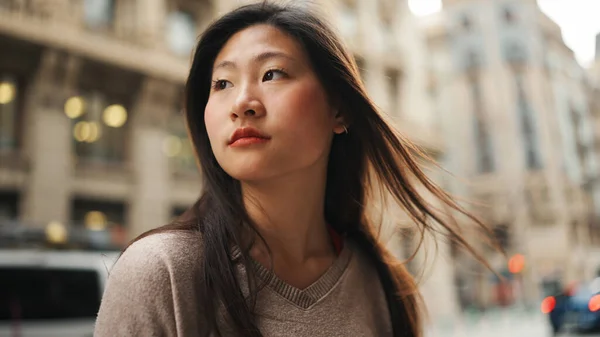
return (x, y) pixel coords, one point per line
(274, 74)
(221, 84)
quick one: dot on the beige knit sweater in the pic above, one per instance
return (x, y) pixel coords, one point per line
(151, 291)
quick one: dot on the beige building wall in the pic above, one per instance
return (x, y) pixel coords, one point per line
(479, 50)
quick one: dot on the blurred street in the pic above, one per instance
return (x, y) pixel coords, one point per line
(507, 322)
(500, 323)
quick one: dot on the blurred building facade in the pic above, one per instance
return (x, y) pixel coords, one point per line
(91, 131)
(597, 55)
(90, 112)
(515, 107)
(594, 95)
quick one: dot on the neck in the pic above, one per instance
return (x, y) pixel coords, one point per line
(289, 214)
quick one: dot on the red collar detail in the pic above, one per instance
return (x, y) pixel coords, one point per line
(336, 239)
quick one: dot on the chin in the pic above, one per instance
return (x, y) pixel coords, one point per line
(248, 175)
(248, 170)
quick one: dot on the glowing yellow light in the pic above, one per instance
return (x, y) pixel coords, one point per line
(172, 146)
(115, 116)
(7, 92)
(74, 107)
(95, 220)
(81, 131)
(86, 132)
(56, 232)
(94, 132)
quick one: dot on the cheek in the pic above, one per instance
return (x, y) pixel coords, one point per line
(212, 122)
(306, 113)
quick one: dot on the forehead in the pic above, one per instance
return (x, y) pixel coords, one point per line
(256, 39)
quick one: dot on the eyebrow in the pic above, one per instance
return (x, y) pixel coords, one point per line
(257, 59)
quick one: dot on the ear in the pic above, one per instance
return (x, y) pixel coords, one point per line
(339, 123)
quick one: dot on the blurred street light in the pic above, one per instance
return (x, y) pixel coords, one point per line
(115, 116)
(7, 92)
(56, 232)
(516, 264)
(95, 221)
(74, 107)
(86, 132)
(172, 146)
(594, 304)
(548, 304)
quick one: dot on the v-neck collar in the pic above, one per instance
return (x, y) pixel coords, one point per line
(307, 297)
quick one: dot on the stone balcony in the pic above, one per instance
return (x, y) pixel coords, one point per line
(59, 24)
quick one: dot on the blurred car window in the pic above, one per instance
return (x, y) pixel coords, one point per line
(551, 287)
(48, 294)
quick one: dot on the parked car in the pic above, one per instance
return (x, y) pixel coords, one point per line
(51, 293)
(555, 302)
(575, 309)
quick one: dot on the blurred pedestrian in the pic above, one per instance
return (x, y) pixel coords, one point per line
(292, 152)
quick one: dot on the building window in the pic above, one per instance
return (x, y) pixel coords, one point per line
(514, 52)
(574, 232)
(99, 127)
(532, 153)
(580, 147)
(598, 46)
(472, 60)
(509, 16)
(103, 221)
(465, 23)
(178, 146)
(393, 83)
(99, 14)
(502, 237)
(97, 214)
(9, 116)
(181, 32)
(9, 203)
(485, 160)
(177, 211)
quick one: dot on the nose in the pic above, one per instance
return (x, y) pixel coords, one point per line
(247, 105)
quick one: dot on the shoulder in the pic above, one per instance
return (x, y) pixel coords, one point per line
(143, 292)
(166, 250)
(156, 263)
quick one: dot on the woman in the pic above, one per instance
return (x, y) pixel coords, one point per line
(279, 243)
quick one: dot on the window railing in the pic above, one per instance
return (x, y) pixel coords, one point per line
(60, 12)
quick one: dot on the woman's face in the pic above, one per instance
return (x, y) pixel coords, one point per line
(267, 114)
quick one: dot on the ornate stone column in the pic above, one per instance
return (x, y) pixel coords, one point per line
(49, 149)
(150, 203)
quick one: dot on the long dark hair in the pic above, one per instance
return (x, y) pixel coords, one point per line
(371, 157)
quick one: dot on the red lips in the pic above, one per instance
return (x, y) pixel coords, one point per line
(247, 136)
